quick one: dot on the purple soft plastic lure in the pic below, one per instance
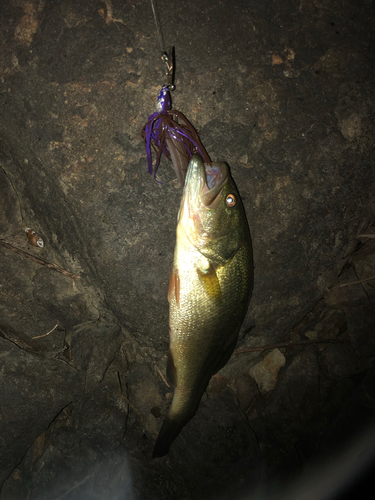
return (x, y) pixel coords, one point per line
(177, 141)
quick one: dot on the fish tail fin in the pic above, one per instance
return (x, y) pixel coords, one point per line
(170, 429)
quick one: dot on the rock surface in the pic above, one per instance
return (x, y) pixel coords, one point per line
(265, 373)
(30, 400)
(282, 91)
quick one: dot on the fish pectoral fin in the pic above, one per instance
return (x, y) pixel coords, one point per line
(211, 283)
(174, 286)
(171, 370)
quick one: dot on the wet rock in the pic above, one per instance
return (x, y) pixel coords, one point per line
(33, 391)
(63, 298)
(364, 260)
(296, 163)
(339, 362)
(284, 95)
(292, 401)
(82, 453)
(361, 322)
(247, 390)
(217, 384)
(148, 400)
(287, 420)
(222, 449)
(92, 348)
(10, 217)
(21, 316)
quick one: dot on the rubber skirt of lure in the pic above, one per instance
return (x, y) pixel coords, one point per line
(170, 133)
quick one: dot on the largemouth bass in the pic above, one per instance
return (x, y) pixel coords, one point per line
(209, 289)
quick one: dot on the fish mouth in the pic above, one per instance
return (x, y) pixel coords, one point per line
(204, 182)
(203, 192)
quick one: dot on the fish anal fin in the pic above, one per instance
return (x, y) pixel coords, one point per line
(174, 286)
(171, 370)
(211, 283)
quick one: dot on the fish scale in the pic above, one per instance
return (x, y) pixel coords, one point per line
(209, 292)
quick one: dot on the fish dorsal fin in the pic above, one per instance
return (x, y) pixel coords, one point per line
(171, 370)
(174, 286)
(211, 283)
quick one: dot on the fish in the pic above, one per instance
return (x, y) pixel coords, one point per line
(209, 290)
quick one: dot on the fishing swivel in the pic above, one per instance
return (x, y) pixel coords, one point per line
(168, 60)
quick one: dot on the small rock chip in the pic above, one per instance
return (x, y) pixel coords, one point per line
(265, 373)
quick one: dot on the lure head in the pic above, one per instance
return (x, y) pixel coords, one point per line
(163, 102)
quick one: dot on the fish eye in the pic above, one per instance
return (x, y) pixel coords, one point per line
(230, 200)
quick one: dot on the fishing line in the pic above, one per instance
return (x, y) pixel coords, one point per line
(158, 26)
(168, 131)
